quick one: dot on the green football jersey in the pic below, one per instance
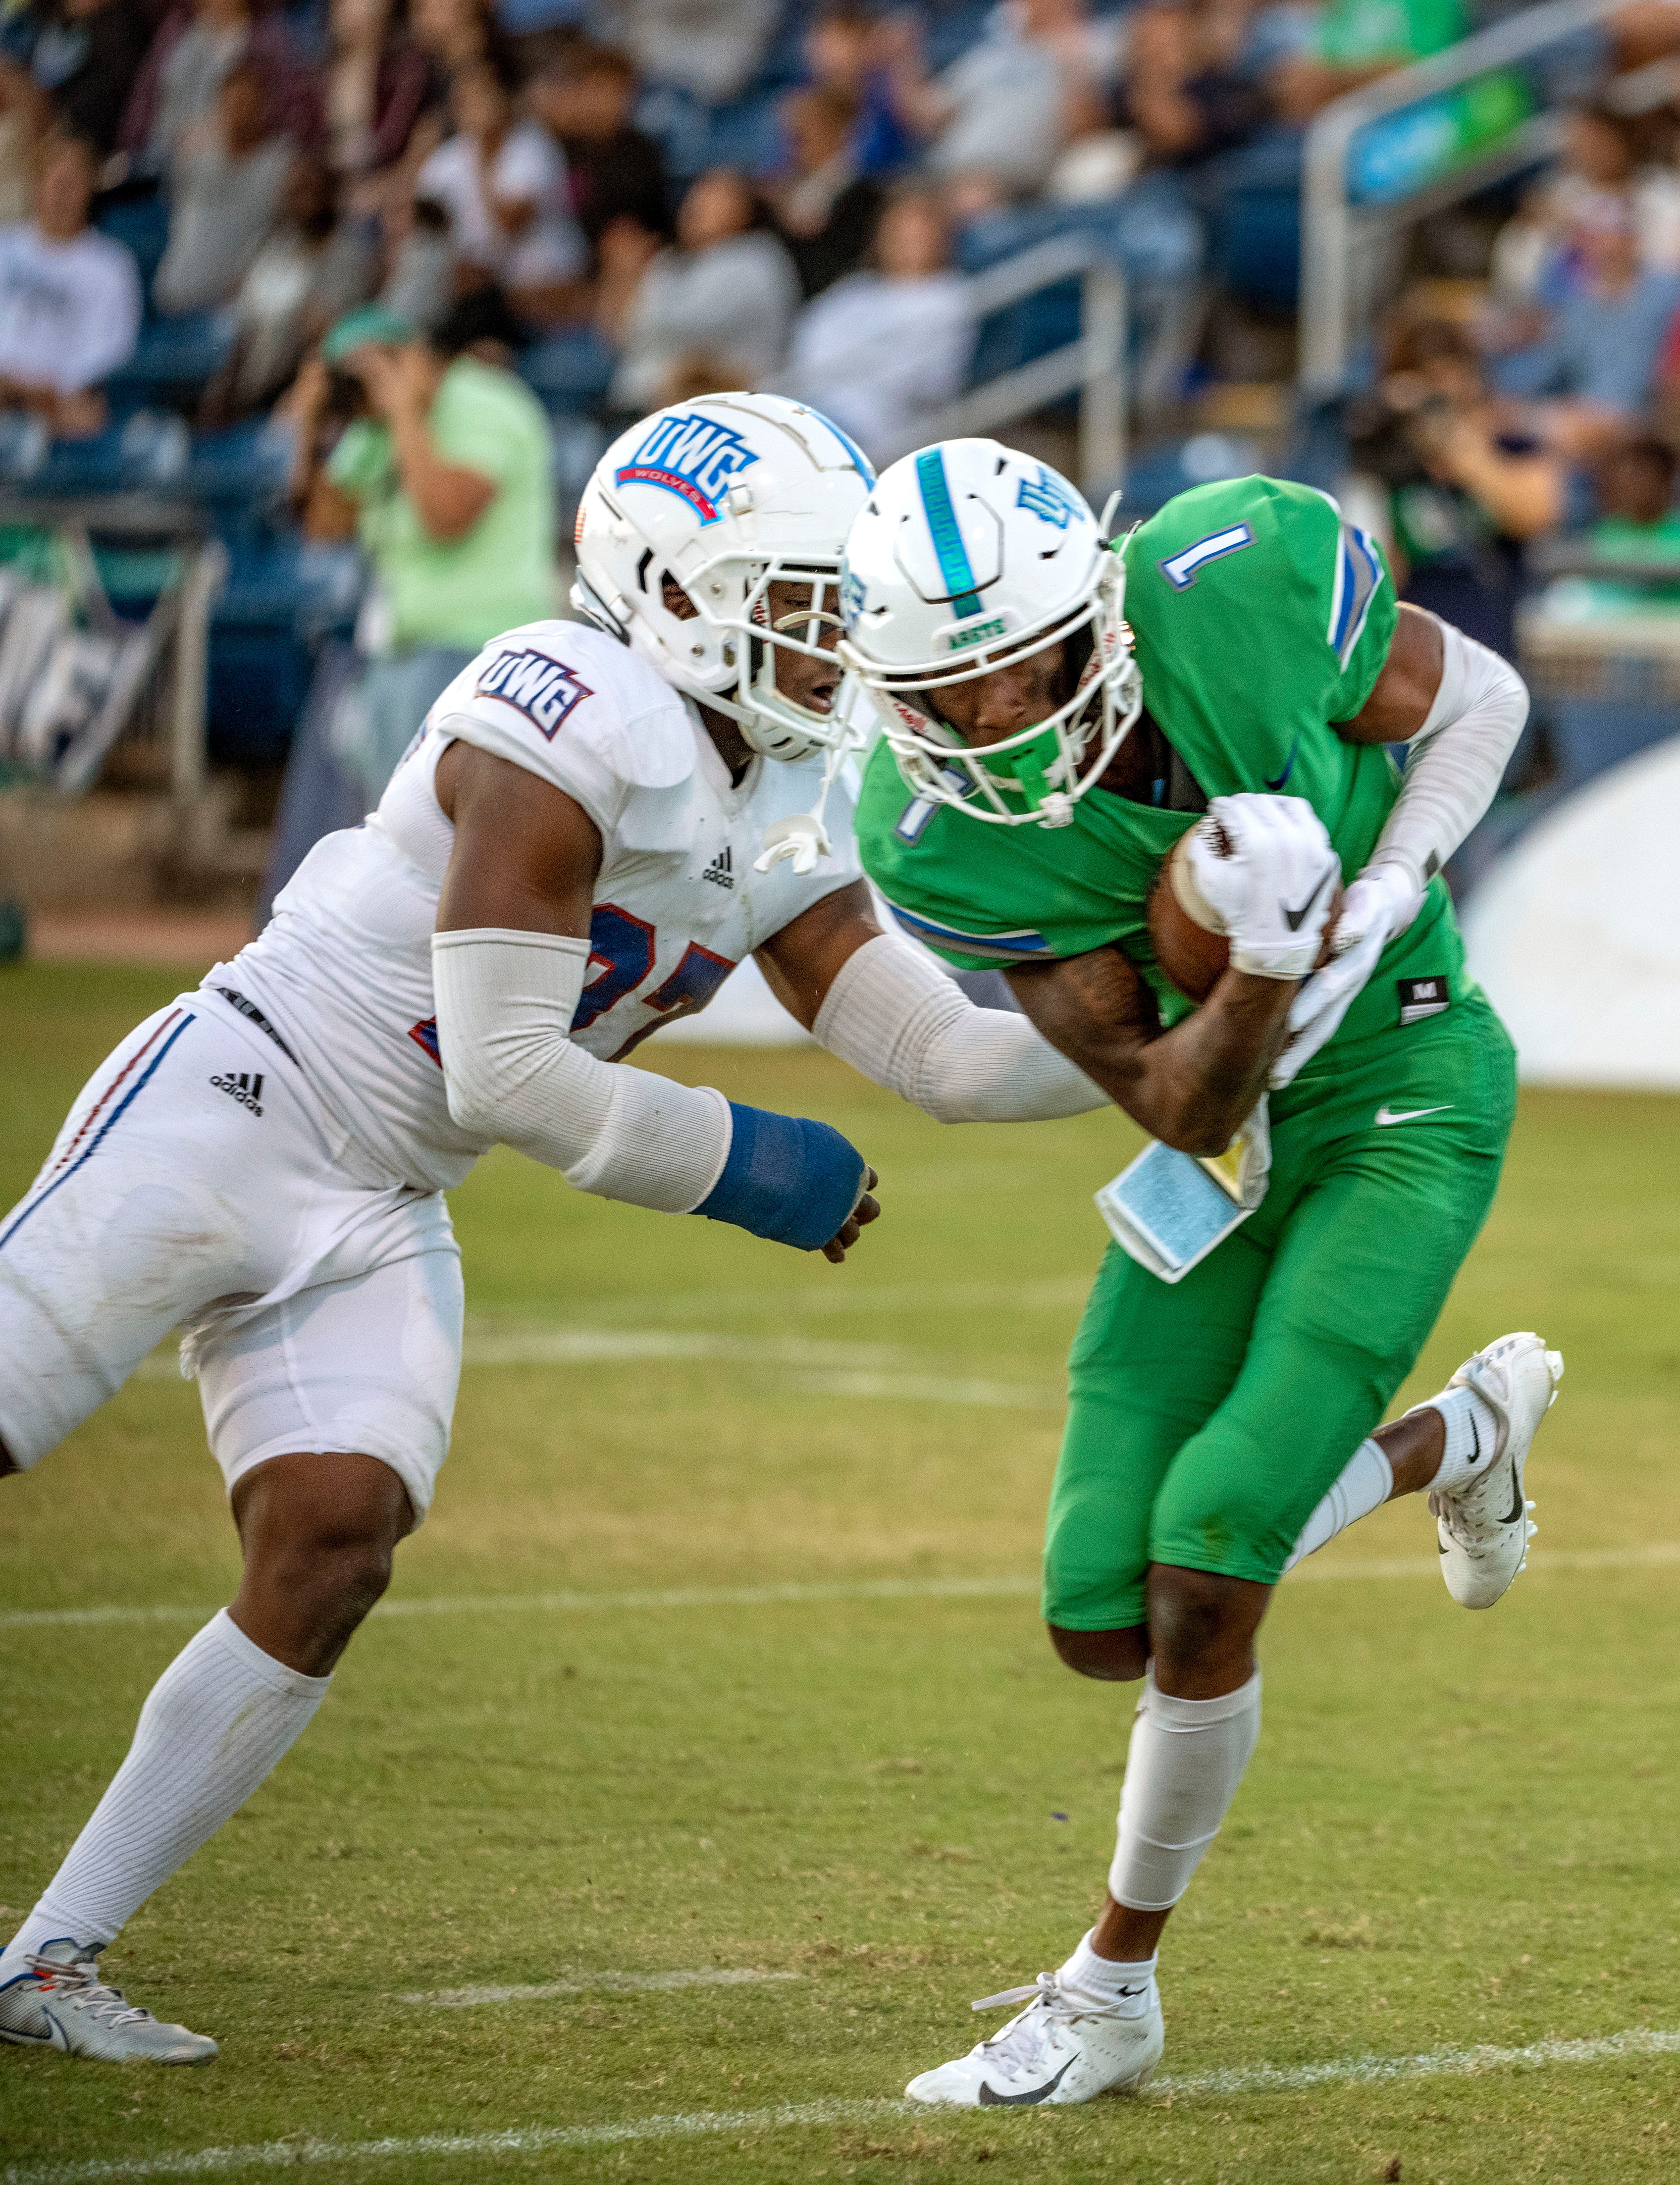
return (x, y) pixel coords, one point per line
(1260, 617)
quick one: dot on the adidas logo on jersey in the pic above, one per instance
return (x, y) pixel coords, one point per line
(722, 869)
(245, 1087)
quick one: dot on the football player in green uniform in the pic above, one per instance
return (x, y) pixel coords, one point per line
(1057, 711)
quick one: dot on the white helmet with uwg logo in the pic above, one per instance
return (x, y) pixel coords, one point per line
(726, 495)
(969, 557)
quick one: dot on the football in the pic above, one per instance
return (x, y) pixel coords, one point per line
(1184, 928)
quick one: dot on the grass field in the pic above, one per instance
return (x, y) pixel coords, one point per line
(576, 1756)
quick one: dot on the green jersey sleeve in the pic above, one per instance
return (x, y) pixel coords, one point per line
(1260, 616)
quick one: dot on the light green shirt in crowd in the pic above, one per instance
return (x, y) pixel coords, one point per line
(462, 591)
(1359, 33)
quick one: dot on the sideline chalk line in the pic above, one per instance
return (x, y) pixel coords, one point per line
(538, 2140)
(461, 1998)
(1649, 1555)
(855, 1370)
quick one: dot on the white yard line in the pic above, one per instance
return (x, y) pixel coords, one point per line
(461, 1998)
(1653, 1554)
(855, 1370)
(542, 2139)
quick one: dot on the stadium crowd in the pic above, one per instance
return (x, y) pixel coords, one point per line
(549, 216)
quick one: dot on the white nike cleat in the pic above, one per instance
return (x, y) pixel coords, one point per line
(61, 2002)
(1485, 1529)
(1064, 2047)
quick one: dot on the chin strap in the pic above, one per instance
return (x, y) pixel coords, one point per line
(801, 838)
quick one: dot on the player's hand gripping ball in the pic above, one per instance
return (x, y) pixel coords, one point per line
(1278, 887)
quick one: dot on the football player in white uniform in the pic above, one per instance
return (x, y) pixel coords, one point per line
(597, 822)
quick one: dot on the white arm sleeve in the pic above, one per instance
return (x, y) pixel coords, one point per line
(1457, 759)
(896, 1017)
(505, 1006)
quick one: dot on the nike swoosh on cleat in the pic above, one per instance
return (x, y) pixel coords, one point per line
(1288, 764)
(1516, 1510)
(1385, 1115)
(991, 2101)
(1294, 918)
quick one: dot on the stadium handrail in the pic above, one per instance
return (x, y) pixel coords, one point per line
(1336, 231)
(1093, 366)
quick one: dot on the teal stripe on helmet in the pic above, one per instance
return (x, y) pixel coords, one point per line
(953, 555)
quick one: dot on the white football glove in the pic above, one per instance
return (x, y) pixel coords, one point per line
(1382, 902)
(1267, 871)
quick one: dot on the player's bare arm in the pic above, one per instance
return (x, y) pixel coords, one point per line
(1192, 1086)
(1399, 703)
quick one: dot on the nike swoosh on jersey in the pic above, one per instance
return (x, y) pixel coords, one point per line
(1292, 919)
(989, 2100)
(1385, 1115)
(1288, 764)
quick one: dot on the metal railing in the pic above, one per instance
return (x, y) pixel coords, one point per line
(1339, 237)
(1094, 366)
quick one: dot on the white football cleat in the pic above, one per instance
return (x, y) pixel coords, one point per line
(1485, 1529)
(61, 2002)
(1062, 2048)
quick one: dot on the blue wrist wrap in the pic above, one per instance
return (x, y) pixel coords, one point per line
(786, 1178)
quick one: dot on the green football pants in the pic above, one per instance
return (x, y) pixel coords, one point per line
(1206, 1418)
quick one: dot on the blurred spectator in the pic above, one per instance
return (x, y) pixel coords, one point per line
(1354, 41)
(997, 110)
(420, 285)
(226, 182)
(308, 274)
(1187, 91)
(375, 87)
(826, 209)
(1042, 73)
(24, 118)
(711, 49)
(183, 71)
(1463, 495)
(451, 34)
(725, 294)
(1537, 256)
(442, 466)
(87, 56)
(502, 184)
(586, 96)
(880, 351)
(70, 298)
(1638, 520)
(1590, 376)
(844, 50)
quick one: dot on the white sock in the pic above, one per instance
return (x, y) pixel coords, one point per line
(1472, 1436)
(1185, 1760)
(1366, 1481)
(1126, 1989)
(213, 1726)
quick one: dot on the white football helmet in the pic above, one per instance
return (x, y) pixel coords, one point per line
(727, 495)
(968, 557)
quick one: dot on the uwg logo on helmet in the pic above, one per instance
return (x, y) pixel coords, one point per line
(543, 689)
(694, 457)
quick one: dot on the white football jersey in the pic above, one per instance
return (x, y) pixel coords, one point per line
(344, 970)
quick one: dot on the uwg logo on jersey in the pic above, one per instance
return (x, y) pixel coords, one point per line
(695, 458)
(544, 690)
